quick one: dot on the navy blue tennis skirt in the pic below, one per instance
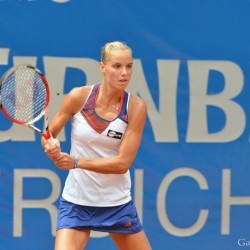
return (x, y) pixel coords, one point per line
(117, 219)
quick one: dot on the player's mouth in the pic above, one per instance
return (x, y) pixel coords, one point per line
(123, 80)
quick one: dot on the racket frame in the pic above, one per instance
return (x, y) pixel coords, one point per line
(46, 133)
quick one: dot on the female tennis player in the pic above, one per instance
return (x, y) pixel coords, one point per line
(107, 126)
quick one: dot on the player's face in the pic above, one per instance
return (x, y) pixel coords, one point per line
(118, 69)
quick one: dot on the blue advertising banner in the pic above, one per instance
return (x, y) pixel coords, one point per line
(191, 66)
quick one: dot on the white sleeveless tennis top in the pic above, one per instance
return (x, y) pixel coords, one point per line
(95, 137)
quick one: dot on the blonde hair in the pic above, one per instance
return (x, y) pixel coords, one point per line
(108, 48)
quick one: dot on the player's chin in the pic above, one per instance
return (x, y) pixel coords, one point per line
(123, 84)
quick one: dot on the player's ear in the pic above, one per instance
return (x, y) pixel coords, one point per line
(102, 67)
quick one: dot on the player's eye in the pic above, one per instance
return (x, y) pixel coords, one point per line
(116, 66)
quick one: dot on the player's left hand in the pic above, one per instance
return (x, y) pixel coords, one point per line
(65, 161)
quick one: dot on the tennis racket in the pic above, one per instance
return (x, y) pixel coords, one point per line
(24, 98)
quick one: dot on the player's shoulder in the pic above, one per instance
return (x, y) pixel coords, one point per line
(77, 97)
(79, 94)
(137, 105)
(136, 101)
(82, 91)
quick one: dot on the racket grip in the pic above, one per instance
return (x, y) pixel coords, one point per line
(49, 138)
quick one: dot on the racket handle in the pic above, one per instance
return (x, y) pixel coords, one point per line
(49, 138)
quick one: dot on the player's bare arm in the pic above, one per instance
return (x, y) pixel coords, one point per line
(72, 103)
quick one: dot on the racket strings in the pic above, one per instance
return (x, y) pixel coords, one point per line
(23, 95)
